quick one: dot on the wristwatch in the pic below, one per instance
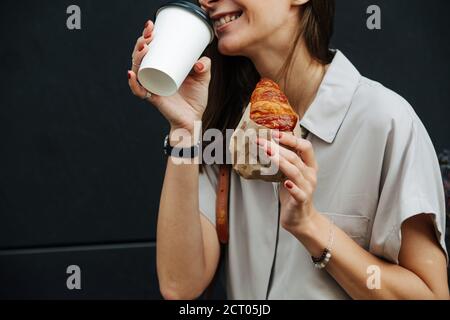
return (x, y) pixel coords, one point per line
(189, 153)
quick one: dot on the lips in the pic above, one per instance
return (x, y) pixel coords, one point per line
(223, 20)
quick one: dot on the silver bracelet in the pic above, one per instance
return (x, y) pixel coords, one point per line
(325, 258)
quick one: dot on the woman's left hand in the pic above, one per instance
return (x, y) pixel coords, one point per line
(300, 168)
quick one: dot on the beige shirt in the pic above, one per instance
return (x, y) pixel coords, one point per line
(377, 168)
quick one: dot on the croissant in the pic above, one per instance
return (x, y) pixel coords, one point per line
(270, 107)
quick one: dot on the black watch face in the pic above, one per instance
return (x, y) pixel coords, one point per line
(180, 152)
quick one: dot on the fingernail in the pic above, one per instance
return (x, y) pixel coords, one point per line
(200, 66)
(146, 24)
(288, 184)
(142, 47)
(129, 75)
(269, 151)
(259, 142)
(147, 36)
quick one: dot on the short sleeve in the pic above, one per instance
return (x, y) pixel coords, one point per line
(411, 184)
(208, 180)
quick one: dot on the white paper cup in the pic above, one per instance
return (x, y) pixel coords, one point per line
(182, 32)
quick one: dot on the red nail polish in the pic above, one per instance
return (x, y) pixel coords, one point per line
(200, 66)
(288, 184)
(147, 36)
(146, 24)
(141, 47)
(269, 151)
(129, 75)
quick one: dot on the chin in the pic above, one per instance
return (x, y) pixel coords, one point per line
(230, 47)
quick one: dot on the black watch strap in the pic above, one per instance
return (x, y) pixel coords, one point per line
(190, 152)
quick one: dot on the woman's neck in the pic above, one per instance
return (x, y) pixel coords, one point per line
(303, 77)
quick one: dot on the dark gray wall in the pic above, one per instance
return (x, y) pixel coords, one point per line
(81, 165)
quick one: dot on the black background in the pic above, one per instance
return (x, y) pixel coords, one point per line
(81, 163)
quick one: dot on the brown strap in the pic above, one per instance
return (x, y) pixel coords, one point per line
(223, 188)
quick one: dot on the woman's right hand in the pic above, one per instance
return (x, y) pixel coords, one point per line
(187, 105)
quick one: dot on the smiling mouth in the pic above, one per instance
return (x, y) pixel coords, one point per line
(225, 20)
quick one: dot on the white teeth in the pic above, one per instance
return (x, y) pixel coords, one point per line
(226, 19)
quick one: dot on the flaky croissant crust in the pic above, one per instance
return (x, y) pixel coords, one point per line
(270, 107)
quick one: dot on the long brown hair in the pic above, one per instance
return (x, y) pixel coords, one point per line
(233, 78)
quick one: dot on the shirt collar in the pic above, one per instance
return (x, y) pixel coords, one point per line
(328, 110)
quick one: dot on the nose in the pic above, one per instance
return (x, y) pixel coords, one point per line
(207, 5)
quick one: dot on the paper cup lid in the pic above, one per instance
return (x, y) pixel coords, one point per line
(202, 14)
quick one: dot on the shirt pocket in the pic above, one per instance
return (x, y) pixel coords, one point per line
(355, 226)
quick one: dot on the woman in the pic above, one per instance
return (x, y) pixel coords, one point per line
(363, 194)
